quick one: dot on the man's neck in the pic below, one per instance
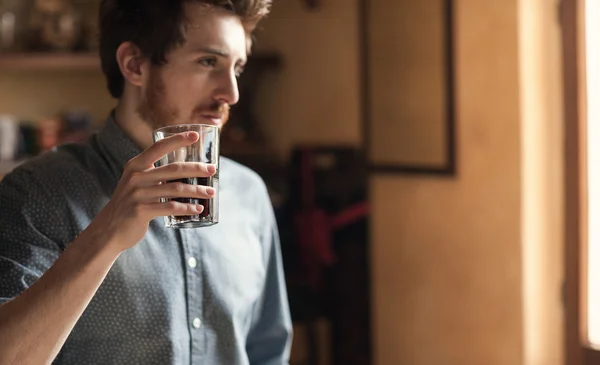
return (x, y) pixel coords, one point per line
(129, 120)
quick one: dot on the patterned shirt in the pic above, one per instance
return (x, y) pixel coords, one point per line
(212, 295)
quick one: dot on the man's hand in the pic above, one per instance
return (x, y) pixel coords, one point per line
(136, 201)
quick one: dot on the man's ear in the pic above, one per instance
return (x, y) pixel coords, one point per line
(130, 59)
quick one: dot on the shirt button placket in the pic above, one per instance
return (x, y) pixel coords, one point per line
(194, 290)
(192, 263)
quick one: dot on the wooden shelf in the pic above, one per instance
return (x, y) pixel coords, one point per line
(50, 61)
(86, 61)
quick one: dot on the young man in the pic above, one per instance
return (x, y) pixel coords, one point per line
(88, 272)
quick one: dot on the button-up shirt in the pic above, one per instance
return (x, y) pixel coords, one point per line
(211, 295)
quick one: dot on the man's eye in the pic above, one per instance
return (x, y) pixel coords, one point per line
(208, 62)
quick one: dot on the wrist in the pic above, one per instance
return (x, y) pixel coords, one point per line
(101, 240)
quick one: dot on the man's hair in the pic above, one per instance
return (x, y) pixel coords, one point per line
(157, 27)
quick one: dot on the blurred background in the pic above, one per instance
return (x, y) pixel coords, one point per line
(427, 160)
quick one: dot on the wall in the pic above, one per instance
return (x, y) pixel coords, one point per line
(468, 270)
(446, 252)
(315, 98)
(39, 94)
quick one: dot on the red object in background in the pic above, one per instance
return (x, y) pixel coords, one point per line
(314, 228)
(316, 254)
(350, 215)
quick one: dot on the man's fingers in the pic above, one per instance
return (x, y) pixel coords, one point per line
(173, 208)
(174, 171)
(174, 190)
(155, 152)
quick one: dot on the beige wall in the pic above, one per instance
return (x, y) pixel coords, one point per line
(39, 94)
(315, 98)
(446, 253)
(468, 270)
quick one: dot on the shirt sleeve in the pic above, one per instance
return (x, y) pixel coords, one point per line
(26, 250)
(269, 340)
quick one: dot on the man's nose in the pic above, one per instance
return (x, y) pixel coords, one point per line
(227, 90)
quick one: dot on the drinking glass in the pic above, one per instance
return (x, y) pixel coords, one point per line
(205, 150)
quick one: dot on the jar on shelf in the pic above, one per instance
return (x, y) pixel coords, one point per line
(55, 25)
(9, 137)
(13, 25)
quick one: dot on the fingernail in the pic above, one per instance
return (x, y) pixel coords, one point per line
(210, 191)
(211, 169)
(199, 208)
(191, 135)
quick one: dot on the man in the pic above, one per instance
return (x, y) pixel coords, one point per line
(88, 272)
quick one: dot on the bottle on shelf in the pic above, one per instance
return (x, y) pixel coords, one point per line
(13, 25)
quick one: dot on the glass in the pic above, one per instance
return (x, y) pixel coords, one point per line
(205, 150)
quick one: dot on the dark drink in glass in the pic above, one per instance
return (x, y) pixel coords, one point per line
(208, 204)
(205, 150)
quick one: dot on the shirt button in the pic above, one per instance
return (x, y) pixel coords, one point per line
(192, 262)
(196, 323)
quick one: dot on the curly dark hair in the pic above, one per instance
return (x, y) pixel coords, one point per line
(156, 27)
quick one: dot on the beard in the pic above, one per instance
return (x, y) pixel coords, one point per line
(155, 111)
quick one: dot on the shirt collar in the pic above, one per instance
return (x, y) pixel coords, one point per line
(116, 144)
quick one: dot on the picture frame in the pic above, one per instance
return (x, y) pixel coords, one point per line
(408, 86)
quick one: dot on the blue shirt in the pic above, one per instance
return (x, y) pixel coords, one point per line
(213, 295)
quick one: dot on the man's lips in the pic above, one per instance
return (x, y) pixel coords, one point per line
(214, 119)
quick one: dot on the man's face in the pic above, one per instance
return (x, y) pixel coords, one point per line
(199, 81)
